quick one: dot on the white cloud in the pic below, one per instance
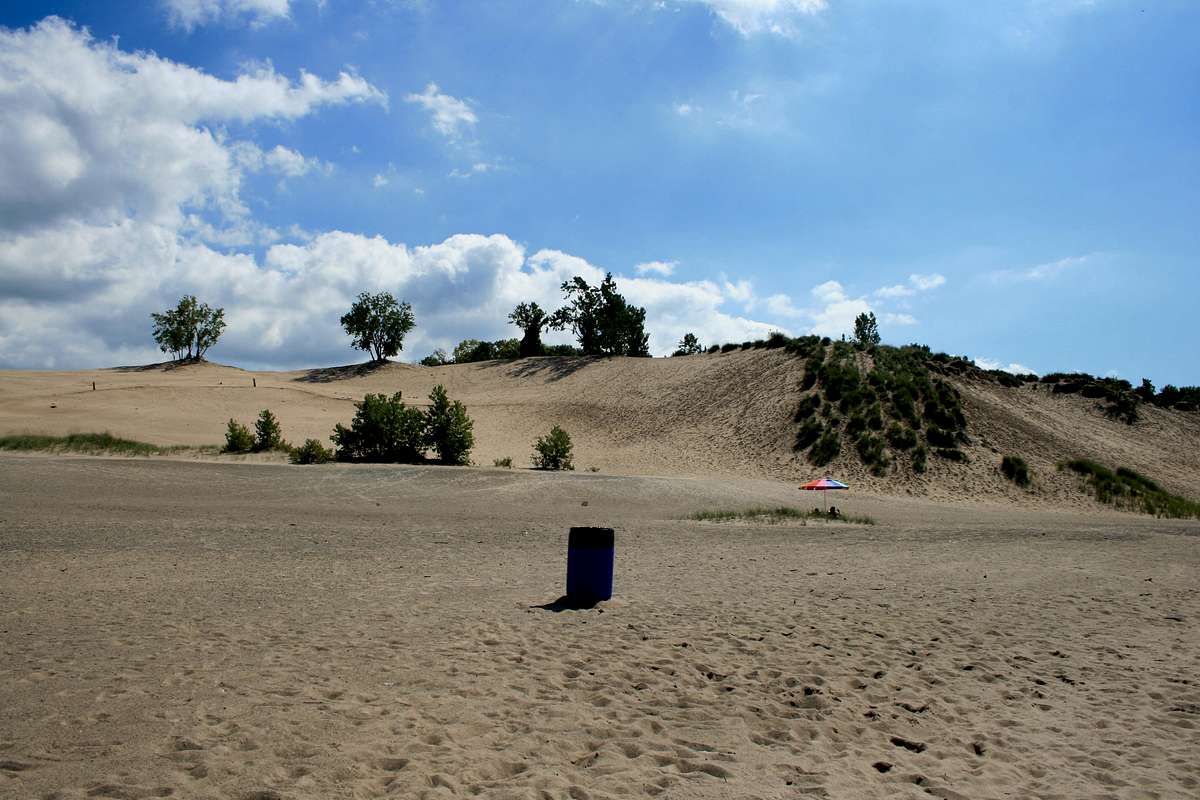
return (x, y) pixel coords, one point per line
(749, 17)
(478, 168)
(781, 305)
(188, 14)
(292, 164)
(380, 180)
(916, 283)
(686, 109)
(892, 318)
(836, 311)
(451, 116)
(1042, 272)
(664, 268)
(1013, 367)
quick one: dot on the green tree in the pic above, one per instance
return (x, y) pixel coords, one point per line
(189, 329)
(554, 450)
(383, 430)
(689, 345)
(866, 330)
(601, 319)
(449, 431)
(267, 433)
(237, 438)
(531, 319)
(469, 350)
(378, 324)
(437, 358)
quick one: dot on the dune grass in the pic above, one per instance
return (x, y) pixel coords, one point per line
(1131, 490)
(773, 516)
(92, 443)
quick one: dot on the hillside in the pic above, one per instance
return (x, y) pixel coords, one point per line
(728, 414)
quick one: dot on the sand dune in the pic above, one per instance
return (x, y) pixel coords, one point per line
(258, 631)
(727, 415)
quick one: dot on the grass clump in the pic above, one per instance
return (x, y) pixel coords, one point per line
(553, 451)
(311, 452)
(951, 454)
(1015, 469)
(919, 459)
(773, 516)
(99, 443)
(1130, 490)
(505, 462)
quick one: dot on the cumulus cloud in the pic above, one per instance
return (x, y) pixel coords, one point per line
(664, 268)
(1013, 367)
(748, 17)
(188, 14)
(916, 283)
(451, 117)
(835, 312)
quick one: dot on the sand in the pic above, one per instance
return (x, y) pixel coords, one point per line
(223, 630)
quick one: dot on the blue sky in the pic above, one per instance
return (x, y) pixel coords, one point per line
(1017, 181)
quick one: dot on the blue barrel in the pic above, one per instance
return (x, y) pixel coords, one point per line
(590, 557)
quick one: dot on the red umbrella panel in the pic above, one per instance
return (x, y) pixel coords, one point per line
(823, 485)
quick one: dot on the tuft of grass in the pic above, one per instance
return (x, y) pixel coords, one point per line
(1015, 469)
(774, 516)
(503, 462)
(96, 443)
(1131, 490)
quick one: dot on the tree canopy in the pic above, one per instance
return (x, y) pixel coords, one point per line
(189, 329)
(866, 330)
(604, 323)
(689, 345)
(378, 323)
(530, 318)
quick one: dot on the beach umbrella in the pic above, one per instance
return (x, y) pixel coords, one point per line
(823, 485)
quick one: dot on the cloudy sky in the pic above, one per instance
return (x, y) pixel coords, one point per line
(1018, 180)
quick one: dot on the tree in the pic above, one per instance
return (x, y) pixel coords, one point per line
(267, 434)
(1145, 392)
(189, 329)
(553, 451)
(530, 318)
(437, 358)
(689, 345)
(383, 430)
(449, 430)
(378, 324)
(602, 320)
(469, 350)
(866, 330)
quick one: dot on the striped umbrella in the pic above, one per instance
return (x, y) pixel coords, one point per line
(823, 485)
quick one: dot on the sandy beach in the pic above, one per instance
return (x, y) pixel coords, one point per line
(184, 629)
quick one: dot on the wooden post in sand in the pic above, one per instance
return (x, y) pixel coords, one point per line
(255, 382)
(93, 386)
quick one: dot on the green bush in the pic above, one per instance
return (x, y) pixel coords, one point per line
(939, 438)
(503, 462)
(901, 437)
(809, 406)
(267, 433)
(449, 431)
(1131, 490)
(237, 438)
(809, 432)
(311, 452)
(553, 451)
(776, 339)
(727, 347)
(1015, 469)
(870, 450)
(713, 349)
(951, 453)
(384, 430)
(826, 449)
(919, 459)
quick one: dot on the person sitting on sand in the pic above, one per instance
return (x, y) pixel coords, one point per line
(833, 512)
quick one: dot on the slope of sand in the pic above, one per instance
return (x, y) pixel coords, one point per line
(257, 631)
(719, 415)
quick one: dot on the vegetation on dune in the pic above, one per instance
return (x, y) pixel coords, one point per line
(1130, 490)
(776, 515)
(385, 430)
(689, 345)
(599, 316)
(531, 319)
(505, 462)
(1016, 470)
(238, 438)
(378, 324)
(554, 451)
(311, 452)
(188, 330)
(91, 443)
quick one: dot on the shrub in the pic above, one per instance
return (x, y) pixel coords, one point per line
(870, 450)
(267, 434)
(449, 431)
(900, 437)
(826, 449)
(776, 339)
(951, 453)
(713, 349)
(689, 345)
(747, 345)
(875, 417)
(918, 459)
(809, 432)
(503, 462)
(809, 405)
(237, 438)
(383, 430)
(437, 358)
(939, 438)
(728, 346)
(553, 451)
(311, 452)
(1015, 469)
